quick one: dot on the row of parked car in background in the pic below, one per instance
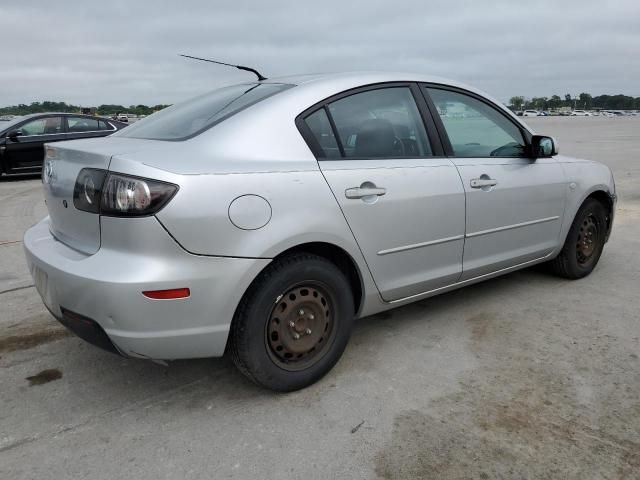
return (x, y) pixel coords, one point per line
(578, 113)
(127, 117)
(22, 138)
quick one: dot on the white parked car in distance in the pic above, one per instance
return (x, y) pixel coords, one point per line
(581, 113)
(531, 113)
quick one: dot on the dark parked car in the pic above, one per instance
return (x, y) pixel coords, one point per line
(22, 139)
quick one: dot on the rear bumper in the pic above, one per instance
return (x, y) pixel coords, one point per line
(87, 330)
(137, 255)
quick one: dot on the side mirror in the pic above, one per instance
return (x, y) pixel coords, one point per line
(543, 147)
(14, 134)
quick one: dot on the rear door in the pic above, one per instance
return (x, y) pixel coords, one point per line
(514, 205)
(403, 201)
(26, 152)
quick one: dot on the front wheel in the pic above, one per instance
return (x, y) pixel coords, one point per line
(293, 324)
(584, 243)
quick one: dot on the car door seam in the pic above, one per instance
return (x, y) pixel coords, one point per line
(464, 240)
(353, 235)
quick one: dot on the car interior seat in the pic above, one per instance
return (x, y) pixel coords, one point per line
(375, 138)
(51, 126)
(409, 145)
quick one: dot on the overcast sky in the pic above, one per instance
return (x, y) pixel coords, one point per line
(125, 52)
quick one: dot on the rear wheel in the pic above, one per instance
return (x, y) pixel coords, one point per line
(293, 323)
(584, 243)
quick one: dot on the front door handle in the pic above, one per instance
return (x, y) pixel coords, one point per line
(483, 182)
(361, 192)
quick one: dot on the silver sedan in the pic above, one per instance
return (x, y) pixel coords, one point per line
(261, 219)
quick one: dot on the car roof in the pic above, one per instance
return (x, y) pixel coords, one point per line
(5, 126)
(366, 78)
(32, 115)
(336, 82)
(363, 77)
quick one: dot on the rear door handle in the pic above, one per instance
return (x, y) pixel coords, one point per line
(483, 182)
(360, 192)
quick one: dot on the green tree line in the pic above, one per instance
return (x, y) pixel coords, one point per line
(584, 101)
(49, 106)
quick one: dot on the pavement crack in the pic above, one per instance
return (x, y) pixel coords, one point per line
(18, 443)
(9, 242)
(16, 289)
(150, 401)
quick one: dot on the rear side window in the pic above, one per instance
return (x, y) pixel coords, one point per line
(105, 125)
(319, 124)
(187, 119)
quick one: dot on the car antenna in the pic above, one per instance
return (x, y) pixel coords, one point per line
(239, 67)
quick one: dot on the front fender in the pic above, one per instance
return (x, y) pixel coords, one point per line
(584, 178)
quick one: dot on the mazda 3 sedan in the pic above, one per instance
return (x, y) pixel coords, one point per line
(22, 139)
(261, 219)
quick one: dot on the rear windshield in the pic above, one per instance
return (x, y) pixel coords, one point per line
(188, 119)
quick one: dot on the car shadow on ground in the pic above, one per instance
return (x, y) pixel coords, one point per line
(20, 177)
(201, 381)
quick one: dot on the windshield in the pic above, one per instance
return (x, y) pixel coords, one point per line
(187, 119)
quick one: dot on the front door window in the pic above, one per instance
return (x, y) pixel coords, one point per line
(476, 129)
(42, 126)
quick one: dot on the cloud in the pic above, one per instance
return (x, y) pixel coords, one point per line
(126, 52)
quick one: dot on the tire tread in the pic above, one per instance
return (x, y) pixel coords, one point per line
(561, 265)
(236, 348)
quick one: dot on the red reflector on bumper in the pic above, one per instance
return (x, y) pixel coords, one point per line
(168, 294)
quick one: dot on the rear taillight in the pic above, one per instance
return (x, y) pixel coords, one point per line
(119, 195)
(88, 189)
(124, 195)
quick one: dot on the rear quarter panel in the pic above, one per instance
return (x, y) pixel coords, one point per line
(302, 206)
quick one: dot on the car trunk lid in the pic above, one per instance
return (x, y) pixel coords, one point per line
(63, 161)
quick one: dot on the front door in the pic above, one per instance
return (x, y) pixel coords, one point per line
(404, 206)
(514, 204)
(26, 152)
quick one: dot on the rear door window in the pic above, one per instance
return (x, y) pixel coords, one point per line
(82, 124)
(187, 119)
(380, 123)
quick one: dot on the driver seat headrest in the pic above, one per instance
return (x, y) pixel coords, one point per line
(375, 138)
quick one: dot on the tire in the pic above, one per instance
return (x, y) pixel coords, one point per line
(584, 243)
(293, 323)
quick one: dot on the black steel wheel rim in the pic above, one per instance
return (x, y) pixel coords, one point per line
(588, 241)
(300, 328)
